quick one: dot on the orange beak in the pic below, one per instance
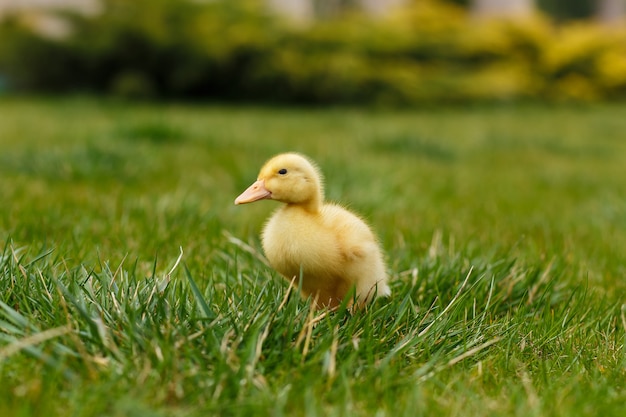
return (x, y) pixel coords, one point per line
(255, 192)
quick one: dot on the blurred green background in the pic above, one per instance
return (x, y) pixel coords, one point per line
(392, 52)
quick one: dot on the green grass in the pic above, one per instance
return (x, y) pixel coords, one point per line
(504, 230)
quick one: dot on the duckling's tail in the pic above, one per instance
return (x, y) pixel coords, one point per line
(380, 289)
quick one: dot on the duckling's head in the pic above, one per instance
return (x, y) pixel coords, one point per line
(290, 178)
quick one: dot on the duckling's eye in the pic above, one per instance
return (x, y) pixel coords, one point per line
(282, 171)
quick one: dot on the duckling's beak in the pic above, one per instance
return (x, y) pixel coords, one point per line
(256, 191)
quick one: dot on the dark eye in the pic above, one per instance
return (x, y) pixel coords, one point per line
(282, 171)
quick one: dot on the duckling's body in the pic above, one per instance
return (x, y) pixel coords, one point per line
(330, 248)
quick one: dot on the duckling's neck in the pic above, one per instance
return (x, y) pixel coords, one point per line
(312, 206)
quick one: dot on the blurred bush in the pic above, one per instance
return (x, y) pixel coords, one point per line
(224, 50)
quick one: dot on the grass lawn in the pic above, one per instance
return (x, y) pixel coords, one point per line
(504, 230)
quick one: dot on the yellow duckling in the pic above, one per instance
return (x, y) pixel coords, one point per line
(330, 248)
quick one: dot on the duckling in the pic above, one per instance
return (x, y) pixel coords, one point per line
(326, 246)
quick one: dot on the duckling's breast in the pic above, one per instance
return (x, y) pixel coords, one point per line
(297, 243)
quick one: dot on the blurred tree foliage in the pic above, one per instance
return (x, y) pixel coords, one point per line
(225, 50)
(568, 9)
